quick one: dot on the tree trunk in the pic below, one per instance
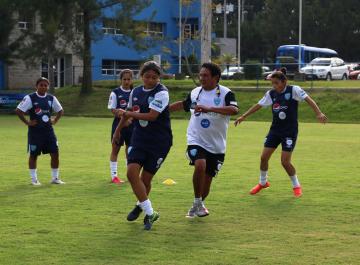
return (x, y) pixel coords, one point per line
(51, 74)
(86, 85)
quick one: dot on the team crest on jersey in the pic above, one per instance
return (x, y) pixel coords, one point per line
(143, 123)
(193, 152)
(150, 99)
(33, 147)
(287, 96)
(217, 101)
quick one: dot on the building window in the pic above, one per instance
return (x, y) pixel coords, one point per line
(191, 31)
(155, 29)
(114, 67)
(110, 27)
(25, 22)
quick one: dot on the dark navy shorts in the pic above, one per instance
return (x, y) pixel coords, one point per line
(125, 135)
(150, 161)
(42, 144)
(287, 142)
(214, 162)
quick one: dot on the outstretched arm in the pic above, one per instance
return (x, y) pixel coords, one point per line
(319, 115)
(226, 110)
(176, 106)
(250, 111)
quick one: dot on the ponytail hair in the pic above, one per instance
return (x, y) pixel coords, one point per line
(280, 74)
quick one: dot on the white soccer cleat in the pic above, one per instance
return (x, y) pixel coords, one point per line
(36, 183)
(57, 181)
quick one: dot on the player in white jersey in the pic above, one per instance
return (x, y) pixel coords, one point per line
(211, 106)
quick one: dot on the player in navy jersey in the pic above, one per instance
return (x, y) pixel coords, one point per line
(41, 137)
(284, 129)
(151, 139)
(119, 99)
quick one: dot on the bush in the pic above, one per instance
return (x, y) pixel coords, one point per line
(252, 70)
(238, 76)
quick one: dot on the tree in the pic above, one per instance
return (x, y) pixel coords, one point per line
(92, 11)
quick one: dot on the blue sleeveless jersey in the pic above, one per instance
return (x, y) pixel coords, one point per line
(150, 134)
(122, 100)
(285, 112)
(41, 112)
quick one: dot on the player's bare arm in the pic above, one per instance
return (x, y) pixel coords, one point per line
(319, 115)
(250, 111)
(227, 110)
(176, 106)
(22, 117)
(57, 117)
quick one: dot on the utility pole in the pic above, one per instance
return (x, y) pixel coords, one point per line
(239, 33)
(300, 34)
(180, 35)
(225, 19)
(206, 16)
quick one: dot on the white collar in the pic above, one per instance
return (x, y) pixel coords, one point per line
(41, 96)
(147, 90)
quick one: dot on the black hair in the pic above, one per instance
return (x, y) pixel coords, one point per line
(213, 68)
(150, 65)
(42, 79)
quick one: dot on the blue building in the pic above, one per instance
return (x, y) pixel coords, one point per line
(162, 19)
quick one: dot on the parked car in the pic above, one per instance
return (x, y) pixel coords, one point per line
(355, 72)
(326, 68)
(232, 70)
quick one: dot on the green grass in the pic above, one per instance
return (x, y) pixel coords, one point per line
(339, 107)
(83, 222)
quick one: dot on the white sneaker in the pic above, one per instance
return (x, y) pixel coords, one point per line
(36, 183)
(192, 212)
(202, 211)
(57, 181)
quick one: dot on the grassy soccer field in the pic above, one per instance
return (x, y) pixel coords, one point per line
(83, 222)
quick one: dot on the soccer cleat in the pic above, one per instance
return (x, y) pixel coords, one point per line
(36, 183)
(259, 187)
(202, 211)
(57, 181)
(134, 214)
(192, 212)
(150, 219)
(297, 191)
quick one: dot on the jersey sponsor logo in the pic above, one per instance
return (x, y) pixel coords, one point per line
(136, 108)
(287, 96)
(282, 115)
(45, 118)
(38, 111)
(217, 101)
(123, 103)
(157, 103)
(205, 123)
(277, 107)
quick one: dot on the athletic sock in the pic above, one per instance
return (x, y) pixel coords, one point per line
(198, 201)
(33, 174)
(147, 207)
(295, 182)
(113, 169)
(55, 173)
(263, 177)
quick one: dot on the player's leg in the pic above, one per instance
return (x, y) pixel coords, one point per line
(115, 148)
(207, 186)
(288, 146)
(33, 169)
(54, 162)
(264, 166)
